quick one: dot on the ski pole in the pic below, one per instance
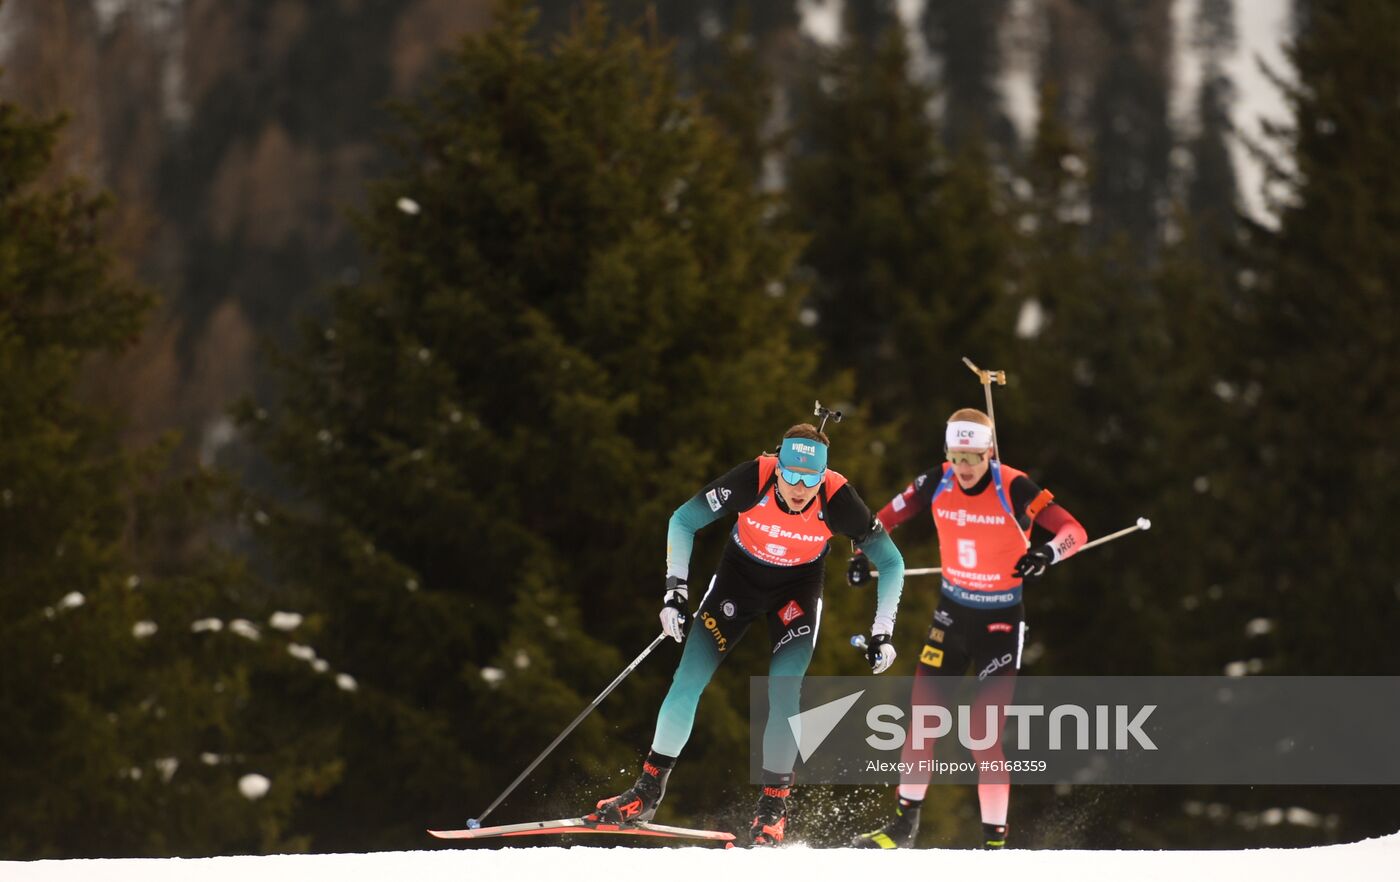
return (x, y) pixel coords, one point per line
(1142, 524)
(474, 823)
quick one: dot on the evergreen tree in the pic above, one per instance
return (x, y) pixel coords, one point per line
(1212, 193)
(582, 312)
(868, 23)
(907, 245)
(740, 92)
(702, 30)
(126, 732)
(965, 36)
(1088, 338)
(906, 253)
(1113, 408)
(697, 31)
(1324, 309)
(1132, 137)
(1159, 417)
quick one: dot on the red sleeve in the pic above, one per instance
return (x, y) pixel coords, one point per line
(898, 510)
(915, 498)
(1070, 535)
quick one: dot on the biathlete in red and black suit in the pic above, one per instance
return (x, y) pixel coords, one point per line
(789, 506)
(984, 512)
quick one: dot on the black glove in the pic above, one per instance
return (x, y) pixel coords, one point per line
(879, 651)
(1034, 562)
(858, 570)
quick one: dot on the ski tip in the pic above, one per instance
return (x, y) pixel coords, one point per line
(729, 844)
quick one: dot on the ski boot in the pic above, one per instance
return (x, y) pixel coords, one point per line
(899, 832)
(770, 821)
(993, 836)
(638, 802)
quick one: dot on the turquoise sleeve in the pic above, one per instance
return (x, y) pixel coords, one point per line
(680, 534)
(881, 550)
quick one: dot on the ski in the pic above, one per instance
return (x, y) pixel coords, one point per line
(582, 825)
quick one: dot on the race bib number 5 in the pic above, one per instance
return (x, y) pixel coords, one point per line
(967, 553)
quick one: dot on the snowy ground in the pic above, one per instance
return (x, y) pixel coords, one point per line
(1374, 859)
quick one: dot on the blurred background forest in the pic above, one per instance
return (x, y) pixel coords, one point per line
(353, 355)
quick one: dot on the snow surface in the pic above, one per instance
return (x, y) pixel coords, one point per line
(1373, 859)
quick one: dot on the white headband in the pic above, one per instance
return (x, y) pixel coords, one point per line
(967, 435)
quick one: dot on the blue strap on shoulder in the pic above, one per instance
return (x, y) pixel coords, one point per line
(944, 485)
(1001, 491)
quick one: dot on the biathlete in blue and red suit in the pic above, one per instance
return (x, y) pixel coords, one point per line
(789, 506)
(984, 512)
